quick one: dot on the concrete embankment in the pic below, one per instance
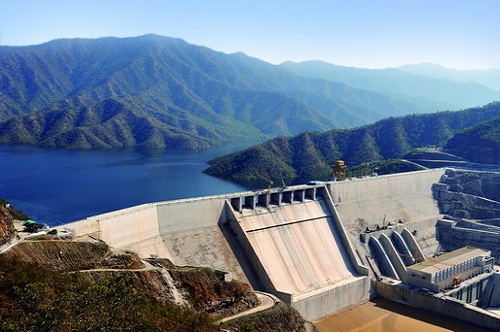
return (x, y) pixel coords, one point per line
(185, 231)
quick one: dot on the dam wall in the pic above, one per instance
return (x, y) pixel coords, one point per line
(186, 231)
(301, 243)
(135, 227)
(389, 198)
(358, 204)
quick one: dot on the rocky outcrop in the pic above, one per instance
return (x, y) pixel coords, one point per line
(457, 233)
(7, 216)
(470, 201)
(468, 194)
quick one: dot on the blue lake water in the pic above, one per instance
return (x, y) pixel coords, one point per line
(57, 186)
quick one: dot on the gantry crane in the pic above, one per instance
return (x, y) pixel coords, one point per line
(339, 170)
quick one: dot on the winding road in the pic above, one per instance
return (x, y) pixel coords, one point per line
(266, 301)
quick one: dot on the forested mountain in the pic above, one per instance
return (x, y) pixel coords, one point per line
(426, 84)
(310, 155)
(163, 92)
(185, 96)
(479, 144)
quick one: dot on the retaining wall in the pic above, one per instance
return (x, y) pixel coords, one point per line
(442, 305)
(390, 198)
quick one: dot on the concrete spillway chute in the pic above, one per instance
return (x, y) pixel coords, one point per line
(383, 261)
(403, 250)
(395, 253)
(300, 252)
(413, 245)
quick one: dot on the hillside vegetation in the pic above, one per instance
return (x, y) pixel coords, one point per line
(479, 144)
(310, 155)
(56, 282)
(156, 91)
(152, 91)
(35, 298)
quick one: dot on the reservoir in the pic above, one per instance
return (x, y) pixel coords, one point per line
(57, 186)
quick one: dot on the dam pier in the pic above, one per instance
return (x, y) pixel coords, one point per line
(323, 248)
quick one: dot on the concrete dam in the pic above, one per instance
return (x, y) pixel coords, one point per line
(306, 244)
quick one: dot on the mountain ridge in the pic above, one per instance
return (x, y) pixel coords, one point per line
(452, 95)
(489, 77)
(201, 96)
(486, 138)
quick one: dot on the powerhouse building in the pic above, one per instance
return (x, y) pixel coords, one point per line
(450, 269)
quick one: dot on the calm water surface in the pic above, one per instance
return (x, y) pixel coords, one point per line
(57, 186)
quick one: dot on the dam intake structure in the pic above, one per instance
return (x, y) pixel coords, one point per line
(308, 245)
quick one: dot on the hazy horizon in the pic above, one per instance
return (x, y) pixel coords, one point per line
(363, 34)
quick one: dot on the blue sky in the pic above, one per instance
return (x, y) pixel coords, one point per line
(370, 34)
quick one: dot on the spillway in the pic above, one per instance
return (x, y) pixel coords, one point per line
(301, 256)
(296, 246)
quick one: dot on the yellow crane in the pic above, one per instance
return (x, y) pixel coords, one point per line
(339, 170)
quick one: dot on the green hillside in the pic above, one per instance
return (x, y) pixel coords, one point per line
(479, 144)
(310, 155)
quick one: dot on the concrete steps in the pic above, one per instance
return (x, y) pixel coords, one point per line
(427, 240)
